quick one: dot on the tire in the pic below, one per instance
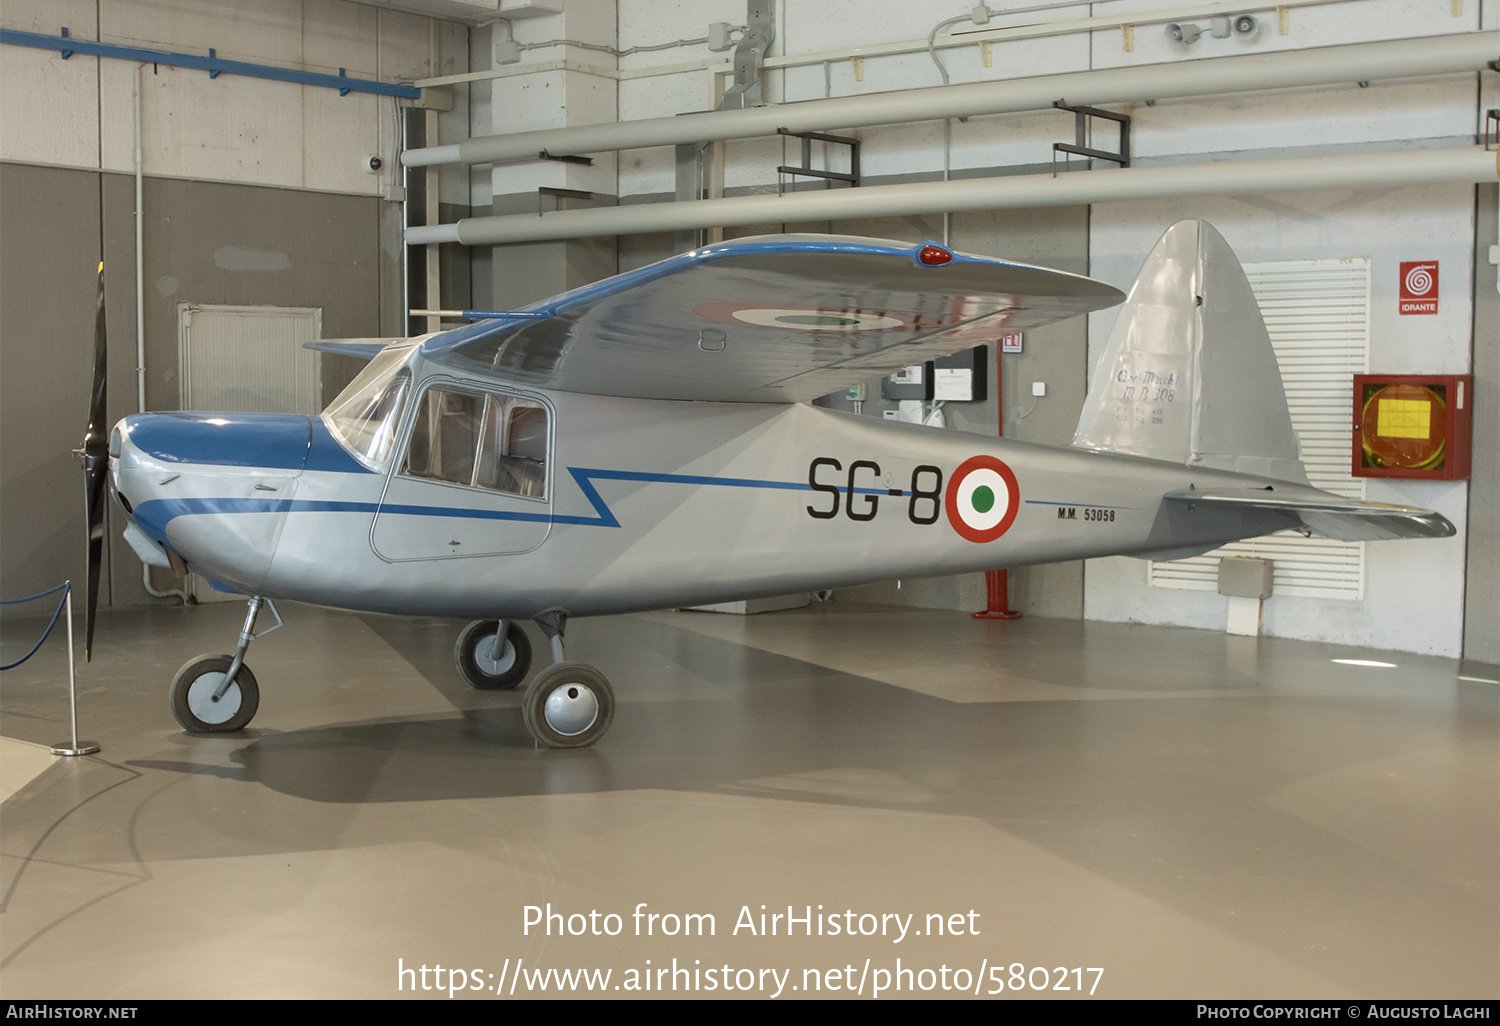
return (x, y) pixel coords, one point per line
(568, 705)
(474, 656)
(192, 692)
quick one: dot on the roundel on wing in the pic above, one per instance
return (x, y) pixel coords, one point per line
(982, 499)
(806, 318)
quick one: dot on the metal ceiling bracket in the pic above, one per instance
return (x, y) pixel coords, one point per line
(807, 170)
(760, 29)
(566, 158)
(1080, 136)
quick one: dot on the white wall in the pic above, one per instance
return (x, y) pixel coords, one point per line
(1414, 590)
(1382, 114)
(78, 112)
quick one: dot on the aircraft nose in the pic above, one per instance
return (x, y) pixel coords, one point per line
(124, 460)
(212, 487)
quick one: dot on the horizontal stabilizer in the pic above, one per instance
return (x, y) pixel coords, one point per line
(359, 348)
(1329, 515)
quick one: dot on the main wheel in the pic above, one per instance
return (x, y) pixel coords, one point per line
(568, 705)
(193, 702)
(489, 662)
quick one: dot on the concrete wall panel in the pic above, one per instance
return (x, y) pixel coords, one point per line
(49, 219)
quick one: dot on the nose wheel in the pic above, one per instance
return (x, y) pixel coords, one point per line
(568, 705)
(216, 694)
(197, 703)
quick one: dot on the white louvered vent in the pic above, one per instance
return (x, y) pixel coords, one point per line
(1318, 315)
(250, 358)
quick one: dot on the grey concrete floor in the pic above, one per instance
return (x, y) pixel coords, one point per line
(1193, 814)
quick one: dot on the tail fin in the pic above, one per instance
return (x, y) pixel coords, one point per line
(1189, 375)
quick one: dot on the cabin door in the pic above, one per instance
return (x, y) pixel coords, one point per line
(473, 479)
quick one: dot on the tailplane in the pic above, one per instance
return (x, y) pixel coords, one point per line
(1189, 375)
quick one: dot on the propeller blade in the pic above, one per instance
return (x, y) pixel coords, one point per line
(95, 457)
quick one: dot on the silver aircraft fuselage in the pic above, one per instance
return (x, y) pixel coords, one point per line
(647, 504)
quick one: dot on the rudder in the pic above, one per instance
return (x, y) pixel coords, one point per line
(1189, 375)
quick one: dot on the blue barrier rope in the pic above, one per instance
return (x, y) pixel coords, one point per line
(64, 587)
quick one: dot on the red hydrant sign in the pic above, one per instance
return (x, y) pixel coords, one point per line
(1419, 287)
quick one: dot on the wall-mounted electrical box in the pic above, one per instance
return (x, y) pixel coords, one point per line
(963, 377)
(914, 382)
(960, 378)
(1413, 425)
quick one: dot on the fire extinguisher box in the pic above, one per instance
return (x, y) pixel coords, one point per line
(1413, 425)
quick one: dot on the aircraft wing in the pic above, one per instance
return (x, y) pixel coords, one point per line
(781, 318)
(1329, 515)
(360, 348)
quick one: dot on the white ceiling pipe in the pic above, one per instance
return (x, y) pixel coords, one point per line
(1358, 62)
(1354, 170)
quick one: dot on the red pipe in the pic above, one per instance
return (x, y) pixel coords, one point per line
(997, 582)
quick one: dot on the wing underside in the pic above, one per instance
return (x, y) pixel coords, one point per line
(770, 319)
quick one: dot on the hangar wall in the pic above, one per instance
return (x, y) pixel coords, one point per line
(252, 195)
(1412, 602)
(1410, 598)
(262, 143)
(1482, 581)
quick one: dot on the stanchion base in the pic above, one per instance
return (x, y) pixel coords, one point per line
(72, 748)
(1004, 614)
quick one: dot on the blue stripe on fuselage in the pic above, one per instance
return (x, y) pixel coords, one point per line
(154, 514)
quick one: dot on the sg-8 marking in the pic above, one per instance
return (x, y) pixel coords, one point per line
(925, 494)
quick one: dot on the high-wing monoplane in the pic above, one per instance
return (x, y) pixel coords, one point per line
(647, 442)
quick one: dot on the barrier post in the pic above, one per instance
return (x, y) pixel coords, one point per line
(77, 747)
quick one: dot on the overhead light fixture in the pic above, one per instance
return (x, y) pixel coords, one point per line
(1365, 662)
(1222, 27)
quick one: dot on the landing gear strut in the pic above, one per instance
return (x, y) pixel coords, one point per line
(567, 705)
(493, 655)
(215, 694)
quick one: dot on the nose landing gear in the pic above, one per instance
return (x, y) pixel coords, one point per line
(216, 694)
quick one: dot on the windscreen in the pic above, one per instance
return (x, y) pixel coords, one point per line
(366, 414)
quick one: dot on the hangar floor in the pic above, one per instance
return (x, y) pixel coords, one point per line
(1194, 814)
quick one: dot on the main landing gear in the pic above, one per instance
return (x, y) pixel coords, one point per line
(567, 705)
(215, 694)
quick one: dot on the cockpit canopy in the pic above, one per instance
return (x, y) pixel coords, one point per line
(367, 414)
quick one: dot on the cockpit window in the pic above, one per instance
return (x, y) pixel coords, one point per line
(366, 414)
(481, 441)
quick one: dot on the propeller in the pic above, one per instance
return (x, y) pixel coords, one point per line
(94, 454)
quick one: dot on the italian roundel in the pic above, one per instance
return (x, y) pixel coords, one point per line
(811, 318)
(982, 499)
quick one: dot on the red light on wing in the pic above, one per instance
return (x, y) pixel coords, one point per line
(934, 256)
